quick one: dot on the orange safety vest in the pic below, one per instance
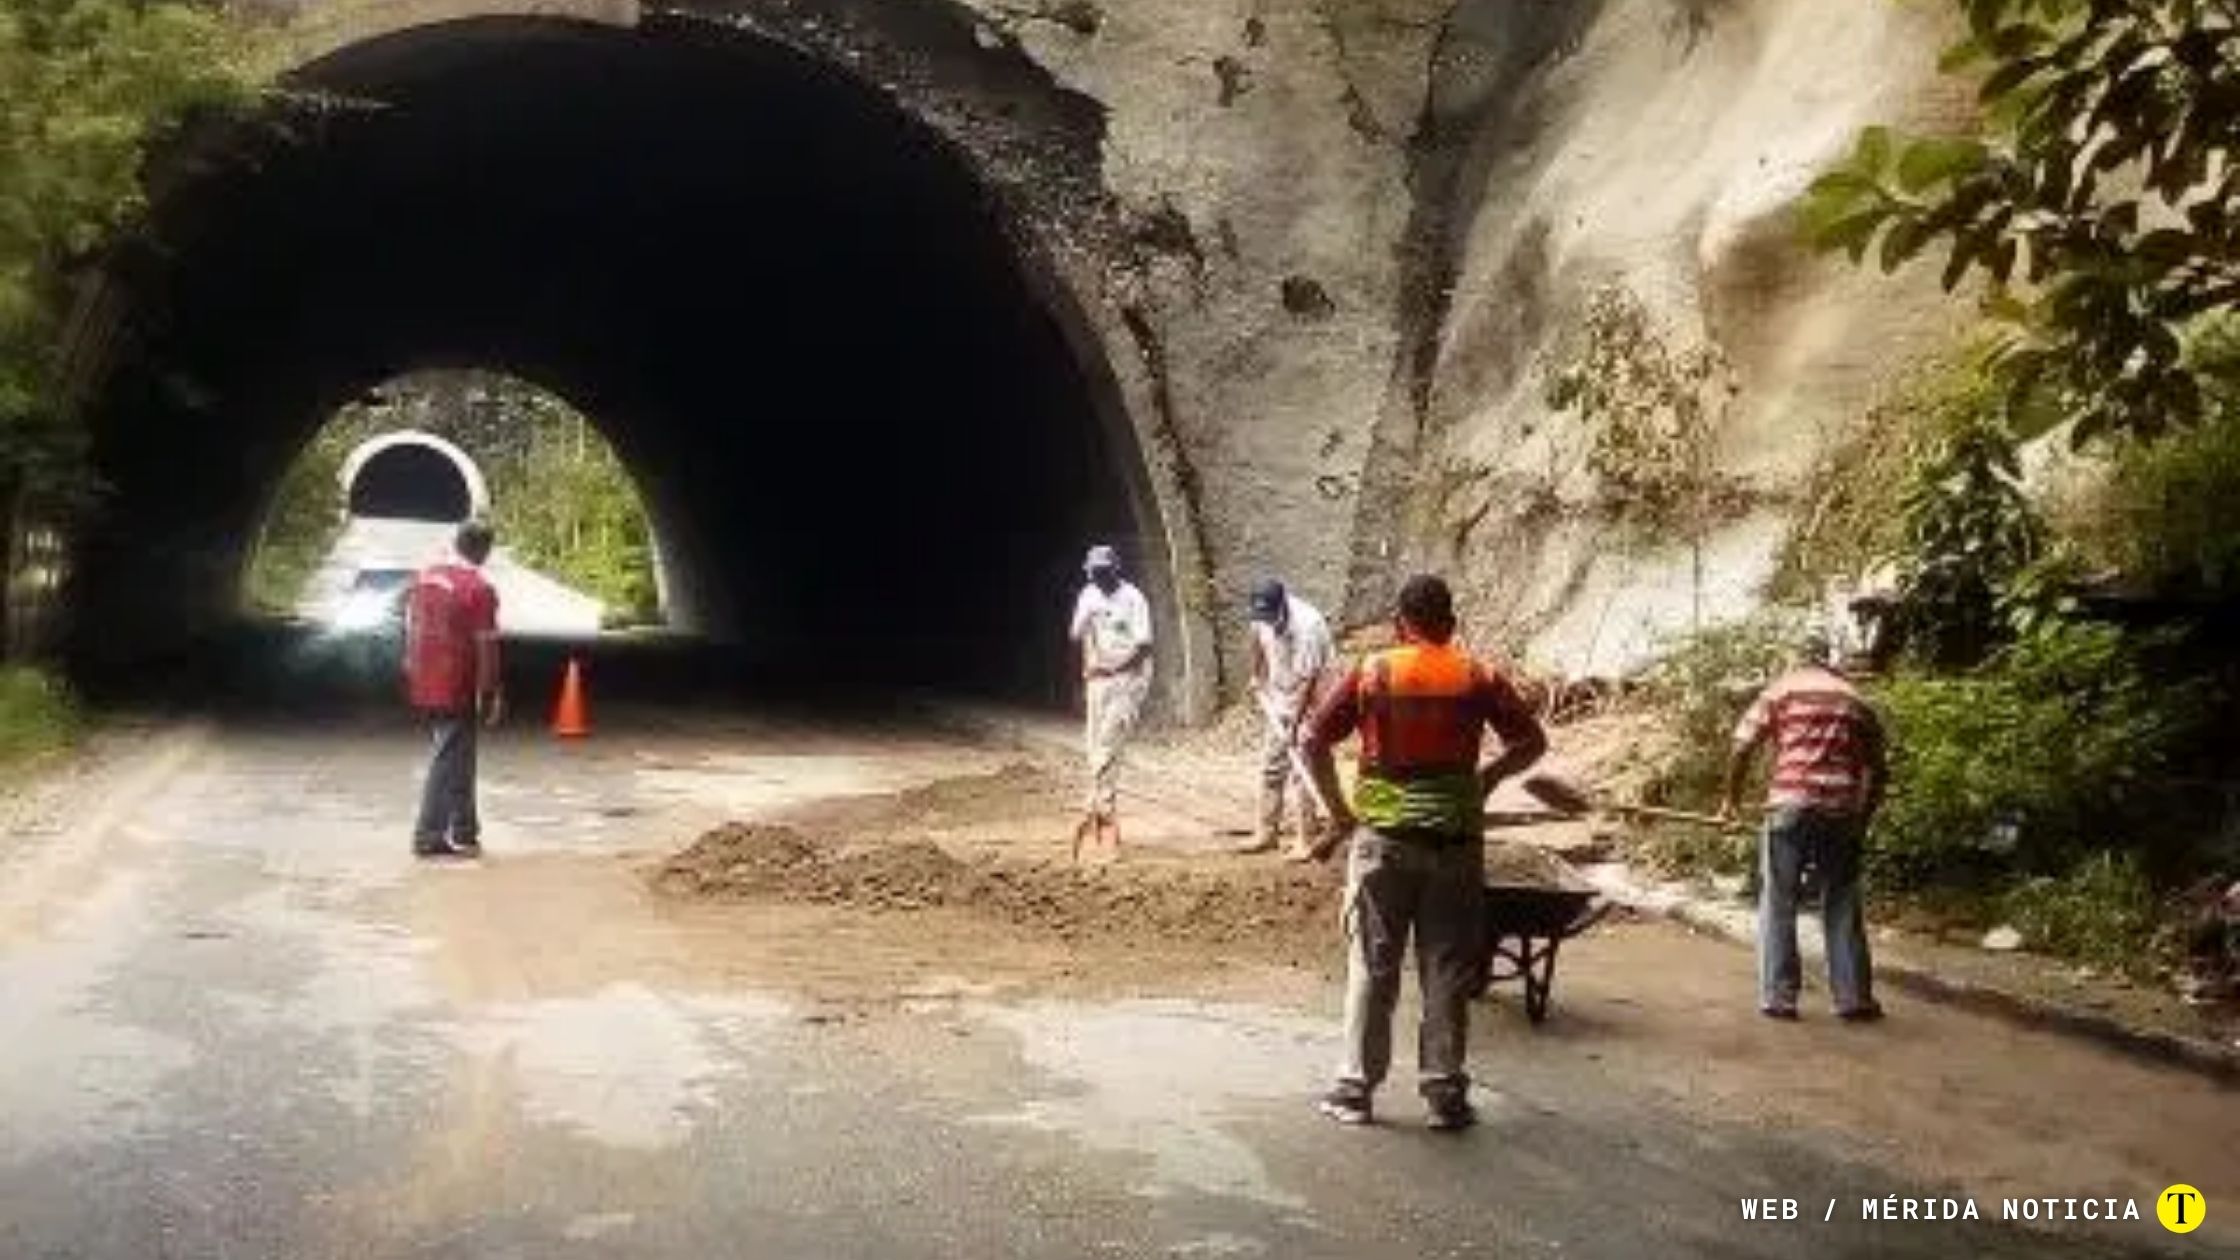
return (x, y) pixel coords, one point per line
(1421, 712)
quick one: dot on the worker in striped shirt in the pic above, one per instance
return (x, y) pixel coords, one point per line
(1829, 771)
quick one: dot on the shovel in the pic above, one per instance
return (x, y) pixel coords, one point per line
(1291, 750)
(1568, 798)
(1299, 768)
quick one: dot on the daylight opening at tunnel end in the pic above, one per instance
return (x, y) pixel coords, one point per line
(380, 491)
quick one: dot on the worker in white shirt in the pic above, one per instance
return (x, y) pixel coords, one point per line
(1292, 653)
(1112, 625)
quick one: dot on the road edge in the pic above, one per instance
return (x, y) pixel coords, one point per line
(2198, 1054)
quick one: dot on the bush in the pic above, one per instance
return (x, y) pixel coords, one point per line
(1701, 686)
(2168, 517)
(38, 715)
(2048, 751)
(2103, 912)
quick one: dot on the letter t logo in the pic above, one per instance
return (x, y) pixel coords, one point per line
(2181, 1209)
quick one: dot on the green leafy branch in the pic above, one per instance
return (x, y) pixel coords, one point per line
(2100, 205)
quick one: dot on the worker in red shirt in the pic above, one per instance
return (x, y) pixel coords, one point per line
(1829, 772)
(1418, 865)
(451, 674)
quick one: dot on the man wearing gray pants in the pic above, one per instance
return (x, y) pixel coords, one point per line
(451, 673)
(1829, 771)
(1418, 863)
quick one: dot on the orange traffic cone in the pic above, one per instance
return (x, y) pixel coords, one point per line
(571, 719)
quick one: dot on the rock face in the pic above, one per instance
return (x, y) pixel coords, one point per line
(1660, 147)
(1328, 246)
(1379, 219)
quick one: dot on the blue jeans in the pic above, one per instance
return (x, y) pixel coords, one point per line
(1831, 843)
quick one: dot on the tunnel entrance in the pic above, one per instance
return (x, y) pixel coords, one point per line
(869, 447)
(410, 481)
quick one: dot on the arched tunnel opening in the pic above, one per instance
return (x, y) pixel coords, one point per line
(411, 482)
(868, 446)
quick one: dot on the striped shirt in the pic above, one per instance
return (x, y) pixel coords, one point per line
(1827, 742)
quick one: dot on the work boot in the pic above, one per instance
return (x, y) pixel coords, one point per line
(1450, 1113)
(1346, 1104)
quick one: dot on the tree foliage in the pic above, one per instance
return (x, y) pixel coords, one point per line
(86, 86)
(565, 504)
(1969, 532)
(2100, 204)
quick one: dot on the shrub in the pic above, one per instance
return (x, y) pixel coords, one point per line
(2049, 750)
(1701, 686)
(37, 714)
(2103, 911)
(2168, 516)
(1969, 532)
(1653, 410)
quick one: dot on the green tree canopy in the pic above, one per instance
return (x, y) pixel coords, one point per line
(86, 86)
(2100, 202)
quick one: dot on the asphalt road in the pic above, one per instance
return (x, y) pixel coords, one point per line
(240, 1022)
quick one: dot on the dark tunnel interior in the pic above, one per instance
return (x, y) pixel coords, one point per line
(411, 482)
(868, 448)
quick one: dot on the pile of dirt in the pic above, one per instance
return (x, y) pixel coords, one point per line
(1165, 900)
(993, 801)
(1225, 902)
(1528, 864)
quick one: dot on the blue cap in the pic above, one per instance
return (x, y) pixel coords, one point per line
(1268, 601)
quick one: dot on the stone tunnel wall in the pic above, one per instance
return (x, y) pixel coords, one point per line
(1322, 246)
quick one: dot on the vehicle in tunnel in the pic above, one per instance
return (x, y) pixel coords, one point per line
(869, 438)
(375, 606)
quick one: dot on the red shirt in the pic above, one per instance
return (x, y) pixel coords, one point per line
(1827, 744)
(449, 612)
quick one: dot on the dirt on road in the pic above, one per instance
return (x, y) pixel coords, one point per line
(1160, 899)
(873, 855)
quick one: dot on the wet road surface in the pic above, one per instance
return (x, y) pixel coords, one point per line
(241, 1022)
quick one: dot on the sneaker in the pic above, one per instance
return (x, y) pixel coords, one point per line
(1778, 1012)
(1346, 1105)
(1451, 1114)
(1867, 1014)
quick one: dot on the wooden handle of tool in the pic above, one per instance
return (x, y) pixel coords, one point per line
(1679, 815)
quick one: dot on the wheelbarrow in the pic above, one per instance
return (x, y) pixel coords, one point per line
(1525, 924)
